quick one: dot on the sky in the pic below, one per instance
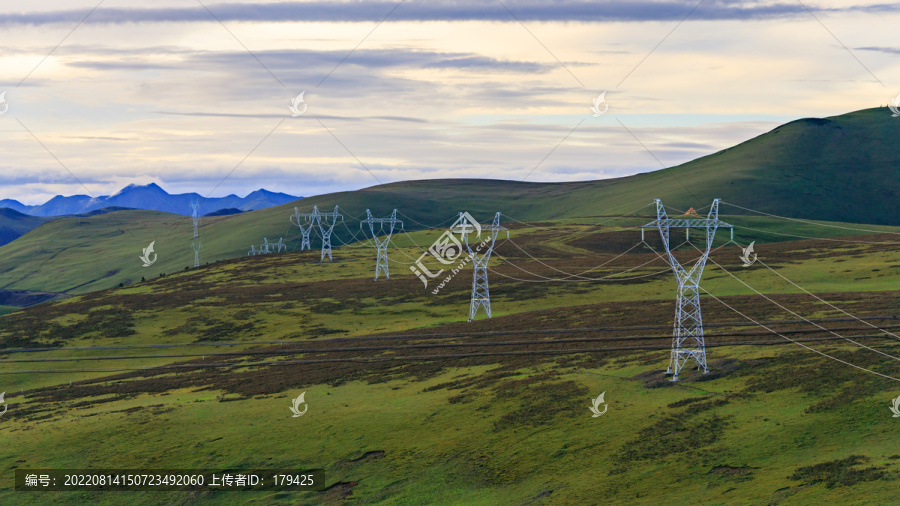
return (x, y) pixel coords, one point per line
(194, 95)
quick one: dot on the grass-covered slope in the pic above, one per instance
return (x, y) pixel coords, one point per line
(845, 168)
(14, 224)
(841, 169)
(770, 424)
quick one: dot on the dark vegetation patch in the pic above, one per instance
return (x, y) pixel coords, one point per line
(339, 491)
(831, 383)
(730, 471)
(672, 435)
(839, 473)
(685, 402)
(655, 379)
(369, 456)
(25, 298)
(540, 403)
(33, 328)
(722, 368)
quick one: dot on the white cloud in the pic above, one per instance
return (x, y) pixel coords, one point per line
(181, 104)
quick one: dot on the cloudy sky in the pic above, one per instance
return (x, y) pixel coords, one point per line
(195, 95)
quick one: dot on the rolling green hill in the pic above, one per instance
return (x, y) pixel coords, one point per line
(845, 168)
(840, 169)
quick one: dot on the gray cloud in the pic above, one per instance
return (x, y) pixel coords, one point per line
(485, 63)
(888, 50)
(436, 10)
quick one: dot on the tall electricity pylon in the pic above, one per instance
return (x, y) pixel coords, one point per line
(195, 217)
(196, 248)
(326, 223)
(305, 231)
(265, 246)
(381, 259)
(687, 336)
(252, 251)
(481, 297)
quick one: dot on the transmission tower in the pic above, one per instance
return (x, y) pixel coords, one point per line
(481, 297)
(279, 245)
(252, 251)
(381, 259)
(195, 216)
(305, 231)
(196, 248)
(326, 223)
(323, 221)
(687, 337)
(265, 246)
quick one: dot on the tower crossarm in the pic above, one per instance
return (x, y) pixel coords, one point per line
(711, 223)
(686, 223)
(688, 341)
(464, 228)
(328, 219)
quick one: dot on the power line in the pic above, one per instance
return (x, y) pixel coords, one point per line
(801, 344)
(796, 314)
(811, 222)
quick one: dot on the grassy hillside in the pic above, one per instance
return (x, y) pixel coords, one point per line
(840, 169)
(843, 168)
(80, 255)
(14, 224)
(771, 423)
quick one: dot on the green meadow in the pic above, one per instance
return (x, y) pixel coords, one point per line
(769, 424)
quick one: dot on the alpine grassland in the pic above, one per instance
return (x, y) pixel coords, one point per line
(409, 403)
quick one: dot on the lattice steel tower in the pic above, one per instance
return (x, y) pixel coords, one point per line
(481, 296)
(326, 223)
(196, 248)
(381, 259)
(687, 337)
(304, 244)
(195, 217)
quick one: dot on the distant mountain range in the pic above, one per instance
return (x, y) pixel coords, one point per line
(151, 197)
